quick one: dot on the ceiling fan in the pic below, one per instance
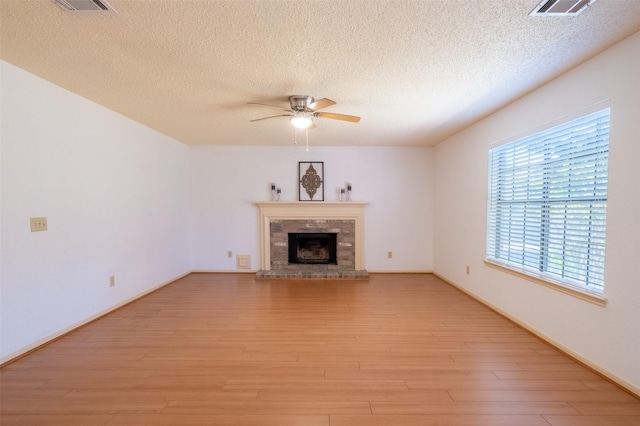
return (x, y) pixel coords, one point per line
(304, 108)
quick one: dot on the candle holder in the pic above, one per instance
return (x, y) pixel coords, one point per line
(274, 193)
(348, 191)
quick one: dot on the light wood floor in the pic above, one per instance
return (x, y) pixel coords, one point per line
(224, 349)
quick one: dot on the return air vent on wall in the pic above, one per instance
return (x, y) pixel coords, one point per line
(84, 6)
(560, 7)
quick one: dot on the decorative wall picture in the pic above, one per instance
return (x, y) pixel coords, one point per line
(311, 179)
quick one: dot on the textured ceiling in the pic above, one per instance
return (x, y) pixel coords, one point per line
(415, 71)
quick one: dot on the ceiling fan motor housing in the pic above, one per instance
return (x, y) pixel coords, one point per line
(300, 102)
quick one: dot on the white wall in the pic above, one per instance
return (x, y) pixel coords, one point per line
(605, 337)
(396, 181)
(114, 193)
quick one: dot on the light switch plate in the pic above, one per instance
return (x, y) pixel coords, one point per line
(38, 224)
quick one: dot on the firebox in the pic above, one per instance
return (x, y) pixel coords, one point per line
(313, 248)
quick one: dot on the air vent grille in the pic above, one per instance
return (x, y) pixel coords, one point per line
(85, 6)
(560, 7)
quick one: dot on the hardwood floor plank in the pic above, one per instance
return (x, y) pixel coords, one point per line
(218, 420)
(408, 374)
(236, 372)
(472, 408)
(85, 407)
(607, 408)
(254, 366)
(373, 356)
(63, 419)
(527, 358)
(80, 396)
(497, 385)
(581, 374)
(538, 395)
(418, 364)
(268, 407)
(361, 395)
(31, 394)
(294, 385)
(438, 420)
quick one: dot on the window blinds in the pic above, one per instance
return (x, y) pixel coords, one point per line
(548, 201)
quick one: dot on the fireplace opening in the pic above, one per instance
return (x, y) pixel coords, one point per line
(313, 248)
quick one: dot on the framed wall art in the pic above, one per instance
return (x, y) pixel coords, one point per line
(311, 180)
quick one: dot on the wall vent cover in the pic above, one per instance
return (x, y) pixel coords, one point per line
(560, 7)
(84, 6)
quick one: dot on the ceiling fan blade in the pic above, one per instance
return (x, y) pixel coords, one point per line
(334, 116)
(272, 116)
(320, 103)
(270, 106)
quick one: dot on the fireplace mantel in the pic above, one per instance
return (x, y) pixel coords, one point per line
(310, 210)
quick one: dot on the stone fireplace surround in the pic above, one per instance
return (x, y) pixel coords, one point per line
(277, 219)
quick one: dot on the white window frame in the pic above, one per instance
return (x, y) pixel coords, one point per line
(547, 196)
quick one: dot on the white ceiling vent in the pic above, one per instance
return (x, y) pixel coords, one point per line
(560, 7)
(85, 6)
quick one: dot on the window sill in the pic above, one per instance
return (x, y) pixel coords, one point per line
(580, 294)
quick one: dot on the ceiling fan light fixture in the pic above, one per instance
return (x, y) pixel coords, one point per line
(301, 121)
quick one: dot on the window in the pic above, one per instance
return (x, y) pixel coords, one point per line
(548, 202)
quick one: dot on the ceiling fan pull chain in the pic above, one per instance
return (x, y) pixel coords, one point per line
(295, 136)
(307, 132)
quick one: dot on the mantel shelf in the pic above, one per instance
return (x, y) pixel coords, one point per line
(311, 203)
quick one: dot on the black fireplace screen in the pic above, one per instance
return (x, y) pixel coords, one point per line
(313, 248)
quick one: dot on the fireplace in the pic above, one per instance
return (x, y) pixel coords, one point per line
(332, 240)
(313, 248)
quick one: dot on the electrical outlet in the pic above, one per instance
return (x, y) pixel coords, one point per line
(389, 254)
(112, 280)
(38, 224)
(229, 254)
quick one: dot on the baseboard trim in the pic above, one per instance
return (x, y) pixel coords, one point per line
(224, 271)
(255, 271)
(618, 381)
(14, 356)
